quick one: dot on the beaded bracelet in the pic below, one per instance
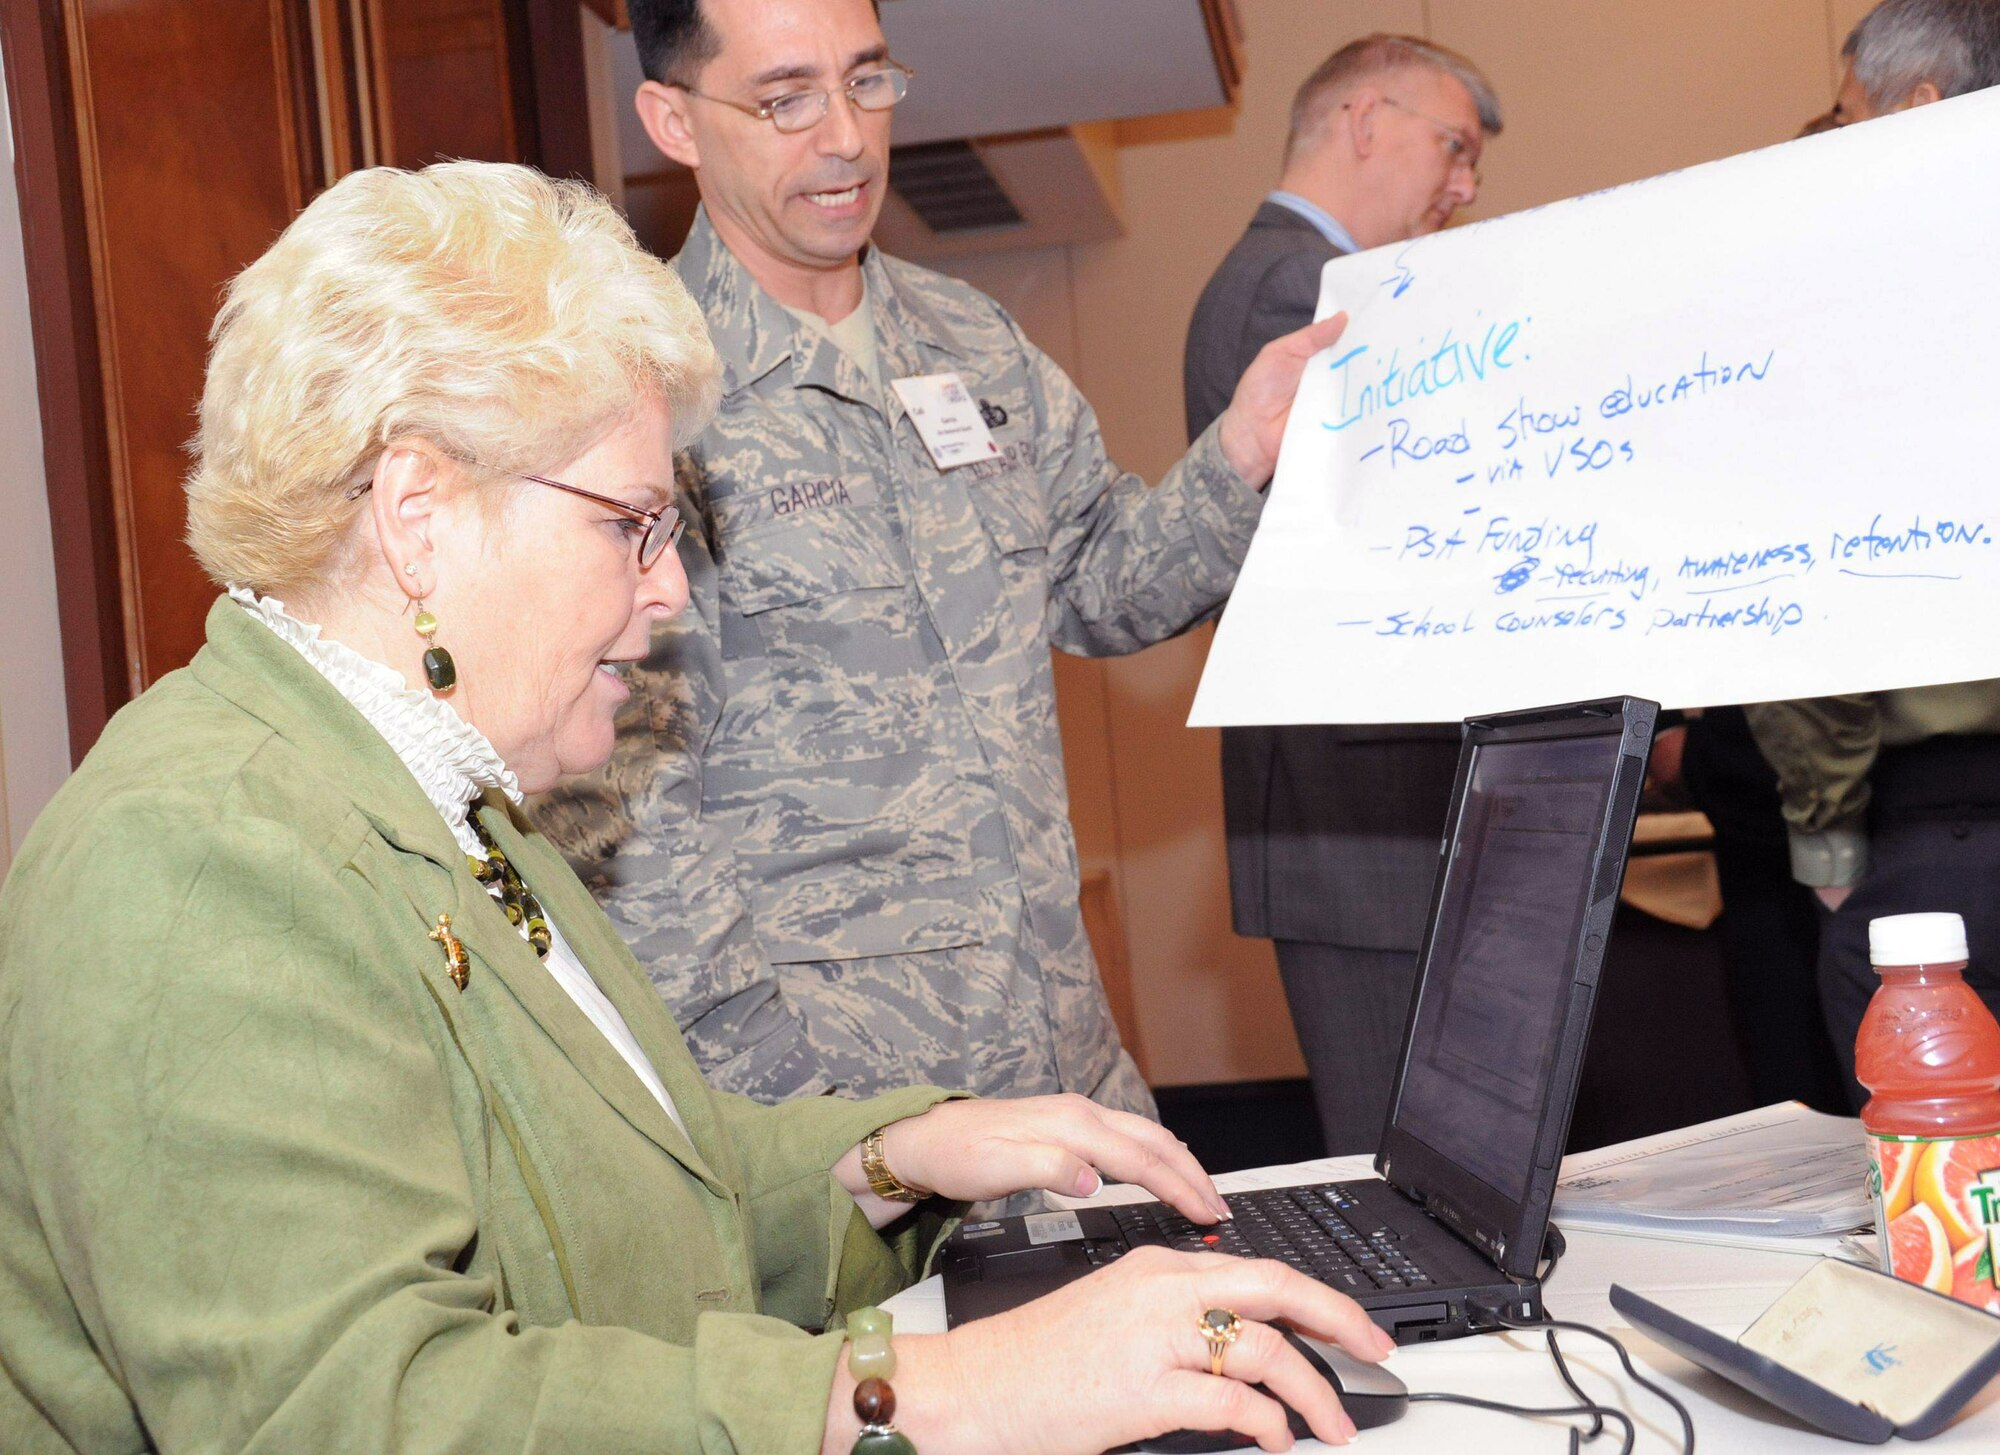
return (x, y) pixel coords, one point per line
(872, 1361)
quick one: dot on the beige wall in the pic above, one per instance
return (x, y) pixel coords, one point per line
(1595, 92)
(34, 723)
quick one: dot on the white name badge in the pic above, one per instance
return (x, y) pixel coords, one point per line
(948, 418)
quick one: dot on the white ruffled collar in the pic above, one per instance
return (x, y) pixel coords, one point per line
(450, 758)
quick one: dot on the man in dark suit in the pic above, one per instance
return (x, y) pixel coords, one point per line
(1333, 831)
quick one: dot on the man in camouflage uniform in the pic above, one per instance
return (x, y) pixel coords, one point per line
(835, 828)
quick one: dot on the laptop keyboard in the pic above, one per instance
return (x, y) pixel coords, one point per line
(1308, 1228)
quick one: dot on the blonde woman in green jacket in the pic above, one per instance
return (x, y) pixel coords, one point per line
(333, 1114)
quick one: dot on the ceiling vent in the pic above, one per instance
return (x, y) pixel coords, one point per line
(950, 188)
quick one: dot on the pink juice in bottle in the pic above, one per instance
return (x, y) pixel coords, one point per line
(1929, 1054)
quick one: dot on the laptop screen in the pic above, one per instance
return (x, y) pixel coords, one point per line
(1484, 1038)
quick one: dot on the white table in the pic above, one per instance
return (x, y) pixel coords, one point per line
(1724, 1288)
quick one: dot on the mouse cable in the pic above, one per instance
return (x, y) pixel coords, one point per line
(1549, 1326)
(1554, 1245)
(1596, 1412)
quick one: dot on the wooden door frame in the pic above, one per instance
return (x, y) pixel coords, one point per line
(555, 132)
(76, 460)
(94, 597)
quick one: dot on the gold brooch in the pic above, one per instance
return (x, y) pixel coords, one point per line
(455, 963)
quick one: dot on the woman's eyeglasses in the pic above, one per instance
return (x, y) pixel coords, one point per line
(664, 527)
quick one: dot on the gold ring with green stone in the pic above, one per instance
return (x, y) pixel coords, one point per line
(1220, 1327)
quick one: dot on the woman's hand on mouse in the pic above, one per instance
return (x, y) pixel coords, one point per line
(1118, 1356)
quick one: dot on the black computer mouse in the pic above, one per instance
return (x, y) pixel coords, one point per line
(1370, 1394)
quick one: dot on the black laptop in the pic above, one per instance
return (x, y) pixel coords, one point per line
(1528, 876)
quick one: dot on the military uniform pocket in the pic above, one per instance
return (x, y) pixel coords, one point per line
(822, 609)
(829, 554)
(1011, 509)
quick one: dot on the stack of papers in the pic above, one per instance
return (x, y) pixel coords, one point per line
(1777, 1175)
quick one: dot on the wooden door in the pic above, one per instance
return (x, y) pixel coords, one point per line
(195, 153)
(163, 145)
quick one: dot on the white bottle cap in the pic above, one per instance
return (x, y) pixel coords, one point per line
(1916, 939)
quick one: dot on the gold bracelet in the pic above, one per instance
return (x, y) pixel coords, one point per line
(881, 1181)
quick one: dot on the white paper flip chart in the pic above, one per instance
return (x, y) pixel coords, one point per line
(1726, 435)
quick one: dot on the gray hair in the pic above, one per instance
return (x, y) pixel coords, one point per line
(1374, 55)
(1900, 44)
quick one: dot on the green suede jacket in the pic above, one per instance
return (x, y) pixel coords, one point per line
(270, 1181)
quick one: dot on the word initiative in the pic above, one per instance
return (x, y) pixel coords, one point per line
(1725, 435)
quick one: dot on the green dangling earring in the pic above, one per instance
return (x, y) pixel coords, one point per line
(439, 669)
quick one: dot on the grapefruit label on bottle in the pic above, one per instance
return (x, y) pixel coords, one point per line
(1937, 1206)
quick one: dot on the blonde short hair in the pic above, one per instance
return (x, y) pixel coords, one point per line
(506, 318)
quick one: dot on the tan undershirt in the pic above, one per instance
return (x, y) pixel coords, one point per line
(854, 336)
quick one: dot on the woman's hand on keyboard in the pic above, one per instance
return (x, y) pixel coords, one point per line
(974, 1151)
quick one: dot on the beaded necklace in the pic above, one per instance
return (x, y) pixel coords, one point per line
(524, 911)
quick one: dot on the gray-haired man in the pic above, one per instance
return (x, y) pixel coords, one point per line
(1333, 832)
(1908, 53)
(1892, 799)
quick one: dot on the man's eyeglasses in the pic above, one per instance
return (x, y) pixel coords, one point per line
(875, 90)
(664, 527)
(1459, 150)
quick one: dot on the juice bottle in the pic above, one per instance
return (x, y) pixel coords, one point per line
(1929, 1051)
